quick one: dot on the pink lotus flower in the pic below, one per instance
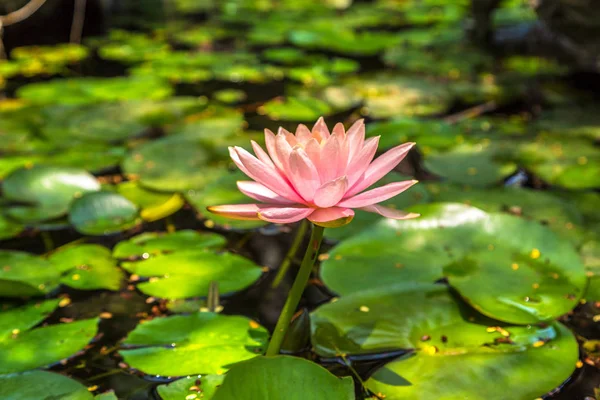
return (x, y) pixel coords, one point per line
(316, 175)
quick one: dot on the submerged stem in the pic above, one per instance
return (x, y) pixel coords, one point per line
(287, 261)
(291, 304)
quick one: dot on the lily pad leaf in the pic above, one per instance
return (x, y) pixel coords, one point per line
(58, 341)
(42, 384)
(103, 213)
(508, 268)
(171, 164)
(87, 267)
(483, 375)
(297, 109)
(545, 207)
(9, 228)
(48, 188)
(153, 205)
(23, 274)
(203, 386)
(189, 273)
(193, 344)
(283, 378)
(153, 243)
(476, 165)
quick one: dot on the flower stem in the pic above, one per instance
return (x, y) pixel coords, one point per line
(287, 261)
(291, 304)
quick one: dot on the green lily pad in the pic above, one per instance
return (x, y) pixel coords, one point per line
(91, 157)
(104, 123)
(283, 378)
(33, 384)
(296, 109)
(470, 164)
(132, 47)
(203, 386)
(450, 60)
(571, 121)
(94, 90)
(430, 134)
(17, 319)
(335, 38)
(58, 341)
(506, 267)
(569, 162)
(363, 220)
(171, 164)
(545, 207)
(230, 96)
(49, 188)
(446, 338)
(189, 273)
(153, 243)
(103, 213)
(192, 344)
(222, 191)
(153, 205)
(533, 66)
(9, 228)
(87, 267)
(388, 95)
(23, 274)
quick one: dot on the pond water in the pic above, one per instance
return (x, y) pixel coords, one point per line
(113, 274)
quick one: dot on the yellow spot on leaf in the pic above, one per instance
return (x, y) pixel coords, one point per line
(535, 254)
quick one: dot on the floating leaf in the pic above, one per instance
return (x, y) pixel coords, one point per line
(102, 213)
(192, 344)
(573, 163)
(23, 274)
(17, 349)
(48, 189)
(296, 109)
(171, 164)
(94, 90)
(545, 207)
(87, 267)
(506, 267)
(9, 228)
(283, 378)
(388, 95)
(203, 386)
(153, 244)
(33, 384)
(153, 205)
(189, 273)
(477, 165)
(443, 333)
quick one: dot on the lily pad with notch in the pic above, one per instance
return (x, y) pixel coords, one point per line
(153, 205)
(506, 267)
(189, 273)
(47, 190)
(283, 378)
(19, 341)
(29, 385)
(198, 343)
(103, 213)
(155, 243)
(87, 267)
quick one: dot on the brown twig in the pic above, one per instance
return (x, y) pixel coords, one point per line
(471, 112)
(22, 13)
(78, 20)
